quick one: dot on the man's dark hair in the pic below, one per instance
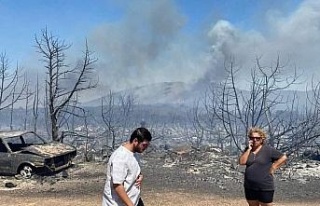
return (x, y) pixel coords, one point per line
(141, 134)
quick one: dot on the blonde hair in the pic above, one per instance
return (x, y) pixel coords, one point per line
(258, 130)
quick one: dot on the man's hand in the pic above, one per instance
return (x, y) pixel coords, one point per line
(139, 180)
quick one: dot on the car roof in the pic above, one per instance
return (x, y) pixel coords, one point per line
(8, 134)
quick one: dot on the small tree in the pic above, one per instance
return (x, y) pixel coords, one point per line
(116, 111)
(10, 90)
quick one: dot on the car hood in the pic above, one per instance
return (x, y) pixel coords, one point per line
(50, 150)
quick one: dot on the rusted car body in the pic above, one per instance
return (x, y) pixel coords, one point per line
(26, 153)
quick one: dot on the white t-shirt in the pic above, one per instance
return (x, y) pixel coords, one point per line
(122, 168)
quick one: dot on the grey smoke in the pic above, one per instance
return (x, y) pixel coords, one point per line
(148, 44)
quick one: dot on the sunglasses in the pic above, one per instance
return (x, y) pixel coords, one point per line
(255, 138)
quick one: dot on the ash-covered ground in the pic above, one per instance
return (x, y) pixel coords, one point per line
(198, 173)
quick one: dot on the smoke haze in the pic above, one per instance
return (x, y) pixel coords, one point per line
(148, 45)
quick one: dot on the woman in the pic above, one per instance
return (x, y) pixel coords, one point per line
(261, 162)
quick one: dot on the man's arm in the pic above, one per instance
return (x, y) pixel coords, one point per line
(119, 188)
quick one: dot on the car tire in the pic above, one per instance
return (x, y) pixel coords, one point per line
(26, 171)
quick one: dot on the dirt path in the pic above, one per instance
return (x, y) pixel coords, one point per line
(151, 198)
(44, 201)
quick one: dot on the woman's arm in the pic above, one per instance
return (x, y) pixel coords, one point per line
(278, 163)
(244, 157)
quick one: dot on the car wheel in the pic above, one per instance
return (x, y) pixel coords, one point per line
(26, 171)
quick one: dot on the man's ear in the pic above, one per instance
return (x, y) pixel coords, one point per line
(135, 140)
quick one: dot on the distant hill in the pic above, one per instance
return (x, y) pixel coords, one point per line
(173, 93)
(179, 93)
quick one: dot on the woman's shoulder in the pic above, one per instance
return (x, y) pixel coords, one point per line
(270, 148)
(267, 147)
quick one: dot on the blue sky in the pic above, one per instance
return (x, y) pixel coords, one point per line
(74, 19)
(166, 40)
(70, 19)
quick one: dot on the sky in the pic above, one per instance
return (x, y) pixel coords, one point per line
(140, 42)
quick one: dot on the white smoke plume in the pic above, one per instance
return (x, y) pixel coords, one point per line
(294, 37)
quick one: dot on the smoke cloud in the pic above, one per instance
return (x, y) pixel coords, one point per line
(294, 37)
(148, 45)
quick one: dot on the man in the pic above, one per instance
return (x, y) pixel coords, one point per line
(123, 171)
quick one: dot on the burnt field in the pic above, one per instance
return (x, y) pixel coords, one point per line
(211, 181)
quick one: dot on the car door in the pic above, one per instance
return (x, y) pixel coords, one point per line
(5, 159)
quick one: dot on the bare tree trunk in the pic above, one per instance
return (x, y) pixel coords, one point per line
(11, 109)
(26, 106)
(35, 107)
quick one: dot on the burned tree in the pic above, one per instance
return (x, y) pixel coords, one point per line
(11, 89)
(116, 111)
(263, 104)
(62, 82)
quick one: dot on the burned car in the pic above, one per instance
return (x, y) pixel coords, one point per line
(26, 153)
